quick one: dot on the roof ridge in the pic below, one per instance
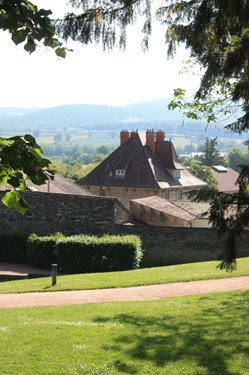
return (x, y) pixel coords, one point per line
(183, 208)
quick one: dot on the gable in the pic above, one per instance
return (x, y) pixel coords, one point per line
(129, 158)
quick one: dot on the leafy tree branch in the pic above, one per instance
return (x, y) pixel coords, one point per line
(21, 160)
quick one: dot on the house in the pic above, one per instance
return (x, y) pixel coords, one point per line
(157, 211)
(144, 165)
(226, 178)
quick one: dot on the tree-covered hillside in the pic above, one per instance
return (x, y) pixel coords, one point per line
(141, 116)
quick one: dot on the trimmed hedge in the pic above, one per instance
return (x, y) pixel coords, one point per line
(13, 247)
(85, 254)
(42, 250)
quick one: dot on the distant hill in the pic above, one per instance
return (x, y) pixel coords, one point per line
(141, 116)
(85, 115)
(15, 111)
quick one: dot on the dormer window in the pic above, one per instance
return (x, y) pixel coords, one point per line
(120, 173)
(176, 174)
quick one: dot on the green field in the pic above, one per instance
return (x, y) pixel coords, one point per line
(192, 335)
(112, 139)
(94, 138)
(146, 276)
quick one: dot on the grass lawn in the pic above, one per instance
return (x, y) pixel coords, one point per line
(148, 276)
(193, 335)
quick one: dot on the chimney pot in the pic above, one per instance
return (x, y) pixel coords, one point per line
(124, 136)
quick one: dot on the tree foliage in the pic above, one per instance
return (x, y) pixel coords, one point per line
(217, 36)
(229, 215)
(21, 159)
(205, 174)
(210, 153)
(236, 158)
(29, 25)
(105, 21)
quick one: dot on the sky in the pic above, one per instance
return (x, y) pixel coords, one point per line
(88, 75)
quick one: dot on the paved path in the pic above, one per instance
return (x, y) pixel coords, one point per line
(141, 293)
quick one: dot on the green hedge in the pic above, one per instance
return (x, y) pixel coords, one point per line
(85, 254)
(13, 247)
(42, 250)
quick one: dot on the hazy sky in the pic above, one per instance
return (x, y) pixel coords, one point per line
(88, 75)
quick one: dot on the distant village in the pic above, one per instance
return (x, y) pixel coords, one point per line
(141, 188)
(144, 173)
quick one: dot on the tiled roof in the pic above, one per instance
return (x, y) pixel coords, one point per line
(60, 185)
(226, 178)
(165, 206)
(195, 208)
(143, 168)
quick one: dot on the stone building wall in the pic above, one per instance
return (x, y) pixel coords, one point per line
(125, 195)
(72, 214)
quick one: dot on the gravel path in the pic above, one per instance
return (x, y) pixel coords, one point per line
(141, 293)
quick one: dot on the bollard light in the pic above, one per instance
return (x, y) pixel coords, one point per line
(54, 274)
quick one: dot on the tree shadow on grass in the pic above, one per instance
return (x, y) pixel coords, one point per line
(204, 340)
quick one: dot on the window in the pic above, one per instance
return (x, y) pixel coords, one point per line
(176, 174)
(165, 194)
(177, 195)
(120, 173)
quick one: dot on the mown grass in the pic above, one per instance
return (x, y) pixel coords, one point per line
(148, 276)
(193, 335)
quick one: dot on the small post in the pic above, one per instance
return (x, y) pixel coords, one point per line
(54, 274)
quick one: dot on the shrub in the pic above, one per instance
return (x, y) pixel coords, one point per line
(85, 254)
(42, 250)
(13, 247)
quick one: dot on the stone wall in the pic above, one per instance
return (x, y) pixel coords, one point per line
(72, 214)
(167, 246)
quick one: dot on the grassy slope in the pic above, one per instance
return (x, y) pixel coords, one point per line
(194, 335)
(149, 276)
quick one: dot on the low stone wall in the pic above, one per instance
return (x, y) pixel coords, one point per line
(168, 246)
(72, 214)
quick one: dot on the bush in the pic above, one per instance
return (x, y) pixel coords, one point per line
(85, 254)
(42, 250)
(13, 247)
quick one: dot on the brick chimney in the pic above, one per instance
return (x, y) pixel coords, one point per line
(150, 140)
(124, 136)
(160, 135)
(160, 139)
